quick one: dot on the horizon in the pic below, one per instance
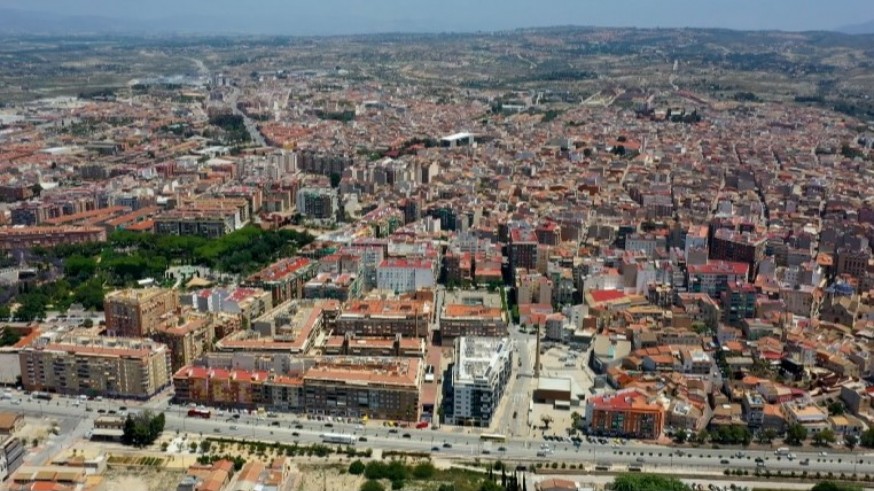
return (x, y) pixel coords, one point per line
(348, 17)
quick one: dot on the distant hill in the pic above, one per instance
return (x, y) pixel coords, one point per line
(863, 28)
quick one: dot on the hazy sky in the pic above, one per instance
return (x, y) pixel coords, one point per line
(345, 16)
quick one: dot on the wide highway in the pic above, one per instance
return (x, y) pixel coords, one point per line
(458, 442)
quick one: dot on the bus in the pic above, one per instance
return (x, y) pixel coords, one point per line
(199, 413)
(43, 396)
(337, 438)
(493, 437)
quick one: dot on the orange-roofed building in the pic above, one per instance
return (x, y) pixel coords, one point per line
(629, 413)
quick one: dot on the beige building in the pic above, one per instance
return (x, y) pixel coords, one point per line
(113, 367)
(191, 338)
(137, 313)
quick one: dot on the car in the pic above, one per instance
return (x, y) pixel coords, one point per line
(362, 439)
(112, 411)
(486, 451)
(823, 454)
(294, 433)
(640, 460)
(274, 423)
(298, 426)
(447, 445)
(233, 427)
(123, 408)
(101, 411)
(724, 462)
(435, 449)
(805, 462)
(236, 416)
(542, 453)
(216, 430)
(329, 425)
(406, 435)
(393, 430)
(502, 449)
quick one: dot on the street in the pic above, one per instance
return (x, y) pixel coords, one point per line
(515, 449)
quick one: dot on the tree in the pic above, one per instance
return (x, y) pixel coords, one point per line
(143, 429)
(205, 446)
(766, 436)
(824, 437)
(796, 434)
(372, 485)
(335, 179)
(356, 468)
(681, 436)
(9, 336)
(546, 420)
(836, 408)
(648, 482)
(851, 441)
(867, 439)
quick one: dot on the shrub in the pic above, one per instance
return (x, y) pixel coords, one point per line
(356, 468)
(372, 485)
(424, 470)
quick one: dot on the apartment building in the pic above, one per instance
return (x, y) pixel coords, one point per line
(112, 367)
(714, 277)
(284, 279)
(248, 303)
(738, 303)
(409, 318)
(745, 247)
(628, 413)
(12, 453)
(20, 238)
(205, 223)
(402, 275)
(378, 388)
(138, 313)
(472, 313)
(479, 377)
(523, 248)
(187, 341)
(317, 203)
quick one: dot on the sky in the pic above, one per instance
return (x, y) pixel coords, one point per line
(307, 17)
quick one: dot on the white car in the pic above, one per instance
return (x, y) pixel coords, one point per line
(823, 454)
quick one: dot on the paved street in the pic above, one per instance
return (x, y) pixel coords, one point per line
(464, 443)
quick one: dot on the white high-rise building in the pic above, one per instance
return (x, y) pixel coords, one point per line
(479, 378)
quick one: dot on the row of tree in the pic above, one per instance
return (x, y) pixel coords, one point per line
(796, 434)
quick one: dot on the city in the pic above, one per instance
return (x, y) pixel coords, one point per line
(553, 259)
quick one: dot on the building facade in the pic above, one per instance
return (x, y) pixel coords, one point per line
(627, 413)
(138, 313)
(479, 378)
(112, 367)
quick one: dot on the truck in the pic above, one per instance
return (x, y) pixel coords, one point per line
(782, 452)
(199, 413)
(337, 438)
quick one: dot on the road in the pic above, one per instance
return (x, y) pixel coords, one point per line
(256, 135)
(463, 441)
